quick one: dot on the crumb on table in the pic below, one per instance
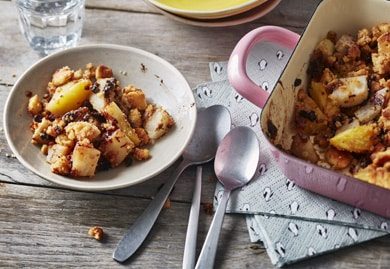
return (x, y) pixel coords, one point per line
(208, 208)
(167, 204)
(96, 232)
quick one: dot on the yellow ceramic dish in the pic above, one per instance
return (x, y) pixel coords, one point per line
(241, 18)
(207, 9)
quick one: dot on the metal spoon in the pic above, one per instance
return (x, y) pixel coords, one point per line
(193, 221)
(212, 125)
(235, 165)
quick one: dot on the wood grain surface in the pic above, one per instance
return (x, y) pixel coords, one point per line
(45, 226)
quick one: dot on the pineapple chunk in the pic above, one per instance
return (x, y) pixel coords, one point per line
(69, 97)
(157, 122)
(57, 151)
(359, 139)
(350, 91)
(84, 160)
(98, 101)
(57, 157)
(116, 147)
(318, 93)
(61, 166)
(103, 91)
(113, 111)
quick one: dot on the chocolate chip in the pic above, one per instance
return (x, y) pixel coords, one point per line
(38, 118)
(272, 130)
(103, 164)
(108, 87)
(143, 68)
(297, 82)
(95, 87)
(310, 115)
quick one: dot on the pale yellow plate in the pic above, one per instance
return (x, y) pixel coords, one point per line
(241, 18)
(207, 9)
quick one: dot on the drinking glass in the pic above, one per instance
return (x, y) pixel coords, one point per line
(51, 25)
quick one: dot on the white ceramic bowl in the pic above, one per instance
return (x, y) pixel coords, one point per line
(162, 83)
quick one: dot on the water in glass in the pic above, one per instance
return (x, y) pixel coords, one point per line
(51, 25)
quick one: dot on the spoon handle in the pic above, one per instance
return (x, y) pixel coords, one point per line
(209, 249)
(137, 233)
(192, 229)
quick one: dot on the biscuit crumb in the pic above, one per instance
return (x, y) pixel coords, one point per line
(44, 149)
(96, 232)
(208, 208)
(167, 204)
(143, 68)
(103, 71)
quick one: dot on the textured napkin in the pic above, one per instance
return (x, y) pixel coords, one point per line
(292, 223)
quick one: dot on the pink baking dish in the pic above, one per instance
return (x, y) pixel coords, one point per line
(346, 16)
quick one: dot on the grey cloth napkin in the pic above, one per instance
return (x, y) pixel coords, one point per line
(292, 223)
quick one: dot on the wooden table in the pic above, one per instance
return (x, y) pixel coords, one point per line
(43, 225)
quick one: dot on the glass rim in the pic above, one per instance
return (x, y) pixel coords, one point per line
(19, 2)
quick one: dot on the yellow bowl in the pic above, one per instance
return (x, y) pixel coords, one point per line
(207, 9)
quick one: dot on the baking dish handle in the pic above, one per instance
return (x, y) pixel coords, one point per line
(237, 74)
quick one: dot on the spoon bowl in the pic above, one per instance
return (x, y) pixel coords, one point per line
(212, 125)
(237, 157)
(235, 164)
